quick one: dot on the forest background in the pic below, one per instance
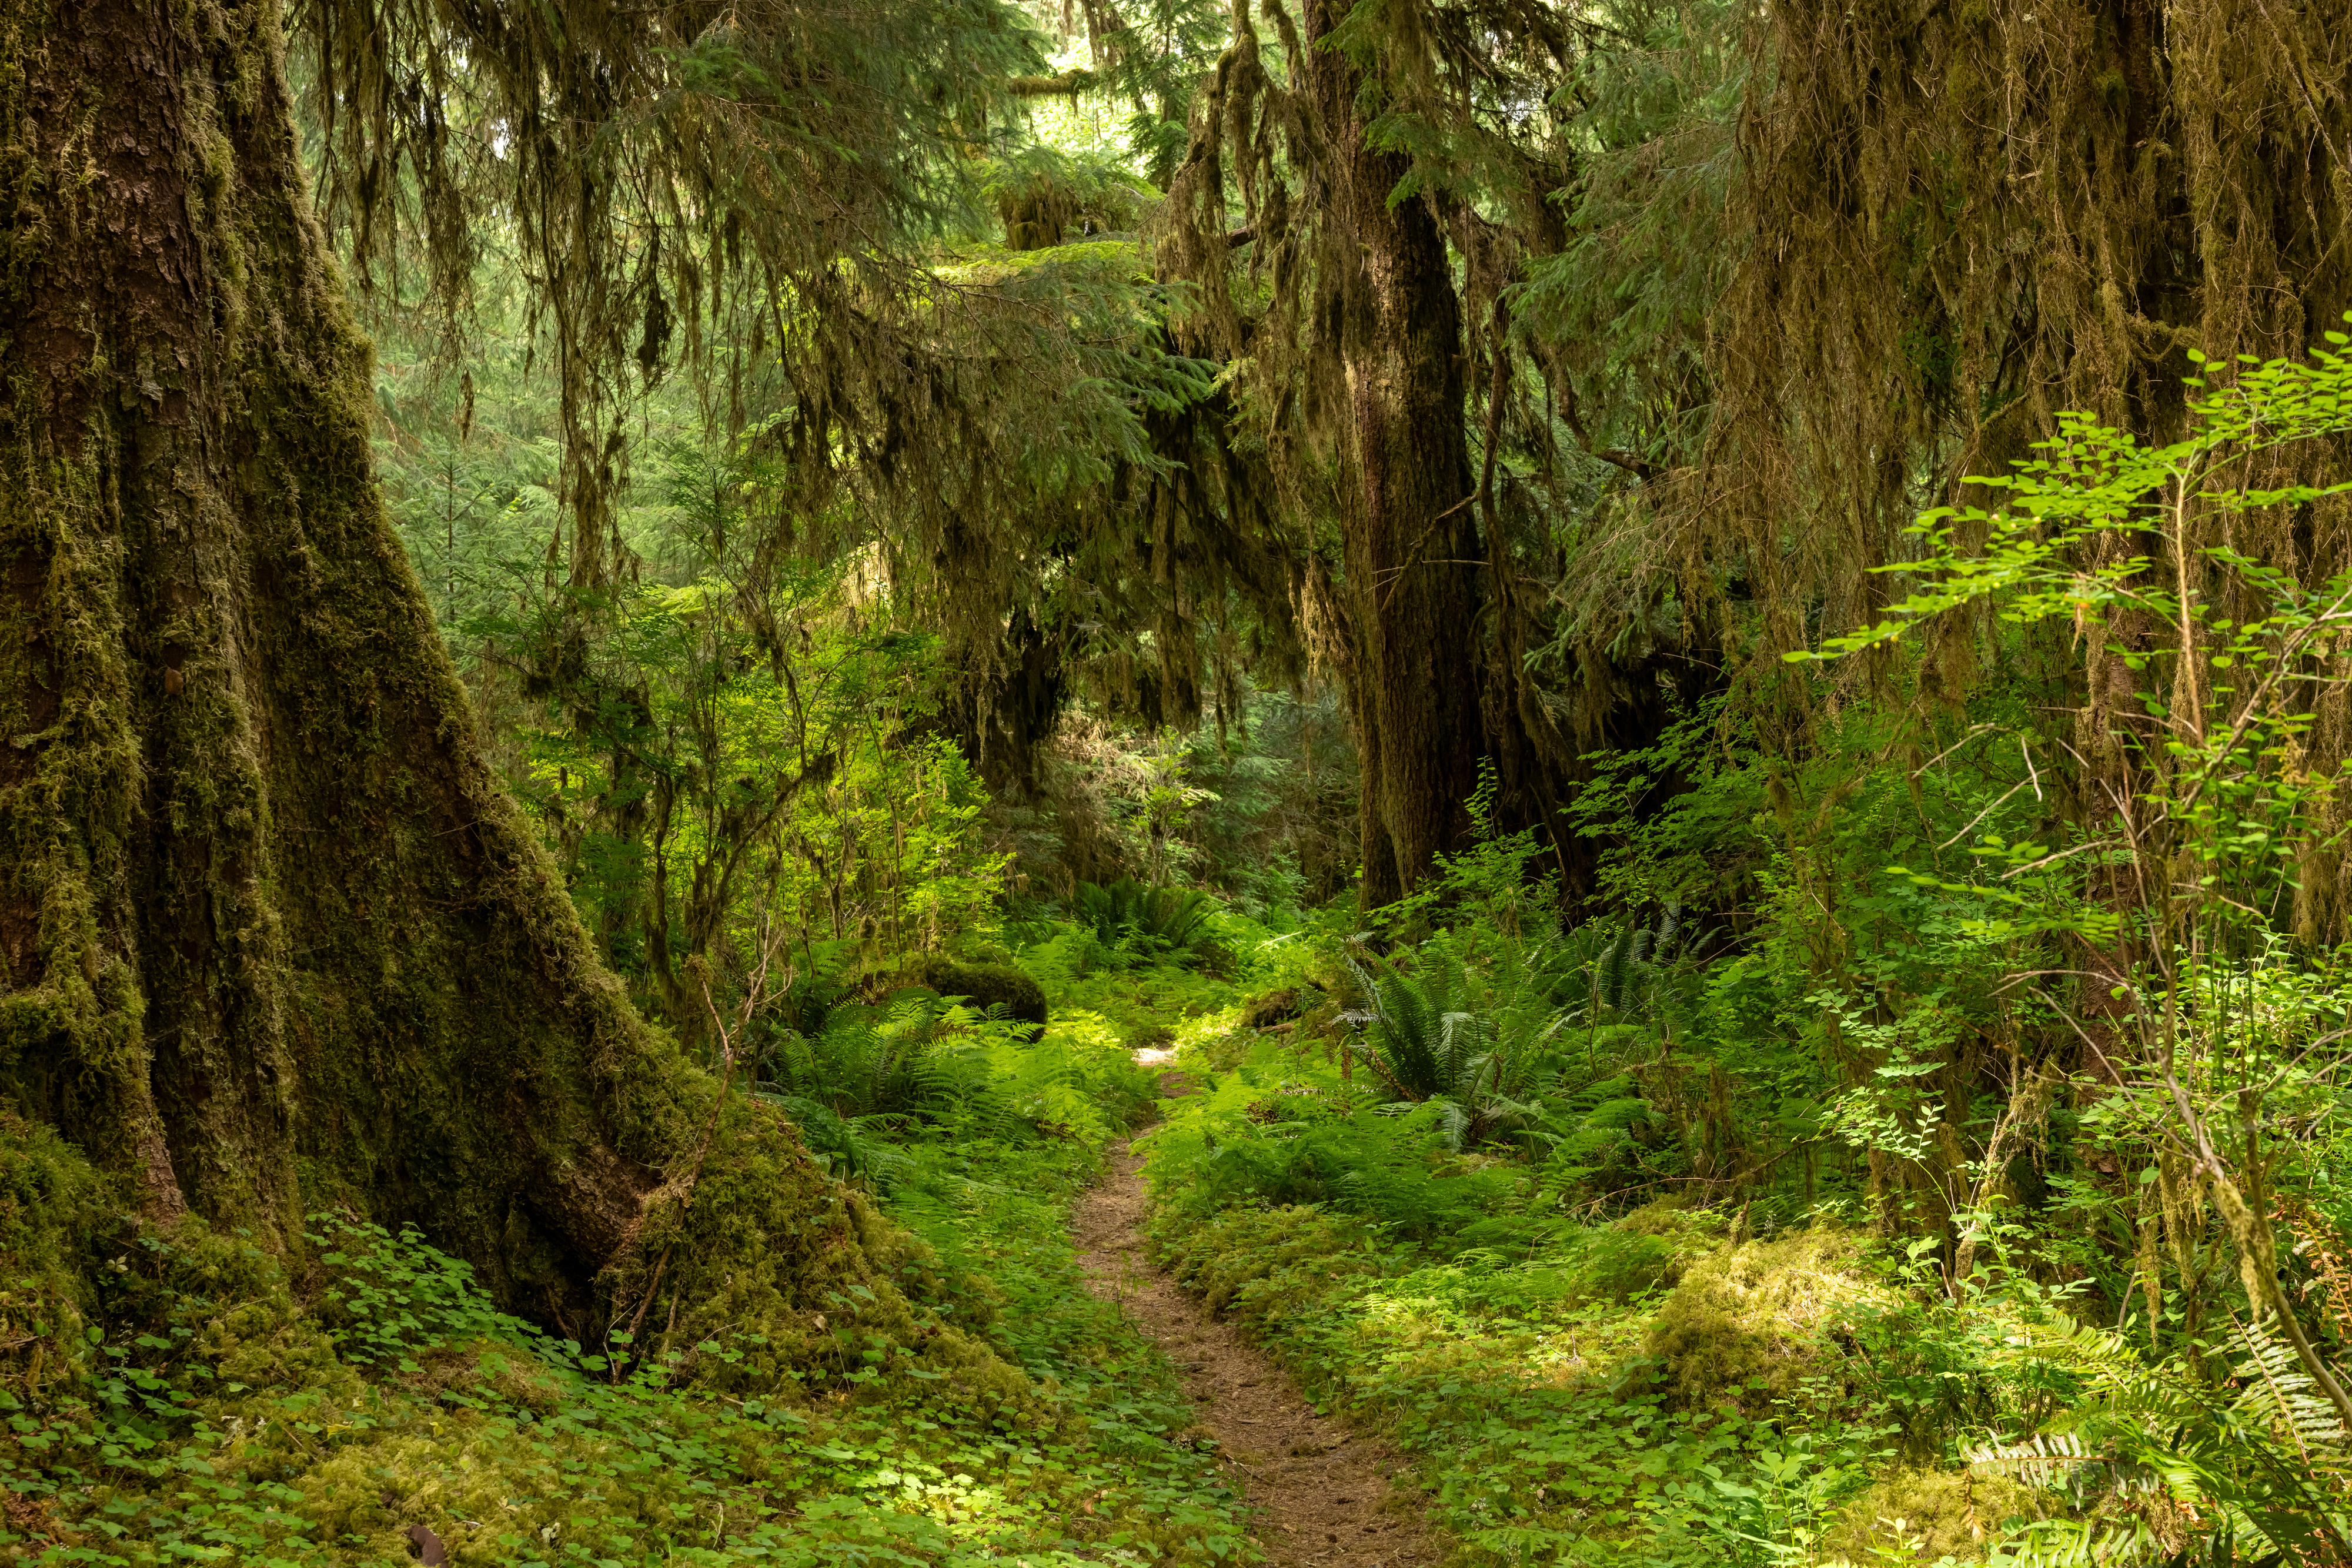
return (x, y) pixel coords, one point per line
(1694, 655)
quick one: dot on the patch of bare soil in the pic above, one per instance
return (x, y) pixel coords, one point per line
(1319, 1493)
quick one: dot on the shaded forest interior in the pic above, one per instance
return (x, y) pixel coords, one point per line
(1690, 658)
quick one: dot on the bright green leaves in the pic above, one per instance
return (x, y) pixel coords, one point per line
(2049, 553)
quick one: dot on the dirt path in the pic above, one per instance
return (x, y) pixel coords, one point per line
(1319, 1493)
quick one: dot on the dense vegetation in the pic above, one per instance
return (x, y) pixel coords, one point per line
(1692, 660)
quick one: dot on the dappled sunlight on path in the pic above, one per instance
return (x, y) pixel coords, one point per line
(1319, 1493)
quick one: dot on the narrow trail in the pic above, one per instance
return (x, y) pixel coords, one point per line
(1319, 1493)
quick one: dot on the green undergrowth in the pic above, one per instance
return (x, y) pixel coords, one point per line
(1655, 1388)
(1519, 1395)
(266, 1421)
(1151, 998)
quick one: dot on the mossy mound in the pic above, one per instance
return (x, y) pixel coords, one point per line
(1750, 1319)
(1611, 1264)
(1926, 1516)
(1671, 1220)
(1653, 1246)
(52, 1210)
(987, 986)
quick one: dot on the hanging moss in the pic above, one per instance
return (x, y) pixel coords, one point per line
(2059, 202)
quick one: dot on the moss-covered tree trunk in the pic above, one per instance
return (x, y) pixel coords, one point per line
(271, 937)
(1411, 538)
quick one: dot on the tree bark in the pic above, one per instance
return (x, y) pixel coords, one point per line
(1410, 533)
(271, 936)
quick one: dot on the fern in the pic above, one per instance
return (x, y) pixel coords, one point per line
(1128, 918)
(852, 1148)
(1363, 1163)
(1416, 1025)
(1429, 1035)
(1634, 974)
(2279, 1393)
(916, 1058)
(2265, 1468)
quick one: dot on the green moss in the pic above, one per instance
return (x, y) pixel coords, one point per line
(1750, 1320)
(1689, 1231)
(1616, 1266)
(1926, 1516)
(1265, 1262)
(52, 1205)
(814, 1294)
(1965, 84)
(988, 986)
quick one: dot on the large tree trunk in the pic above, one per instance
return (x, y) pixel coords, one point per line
(271, 937)
(1411, 539)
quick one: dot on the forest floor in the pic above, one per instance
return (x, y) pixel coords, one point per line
(1318, 1492)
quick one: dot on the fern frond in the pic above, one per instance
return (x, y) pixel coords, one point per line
(2045, 1460)
(2082, 1544)
(2280, 1393)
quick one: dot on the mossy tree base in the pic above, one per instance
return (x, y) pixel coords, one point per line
(271, 936)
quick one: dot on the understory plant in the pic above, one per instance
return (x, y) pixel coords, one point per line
(1135, 923)
(2189, 900)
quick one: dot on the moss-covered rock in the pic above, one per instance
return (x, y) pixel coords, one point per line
(1651, 1246)
(1751, 1319)
(989, 985)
